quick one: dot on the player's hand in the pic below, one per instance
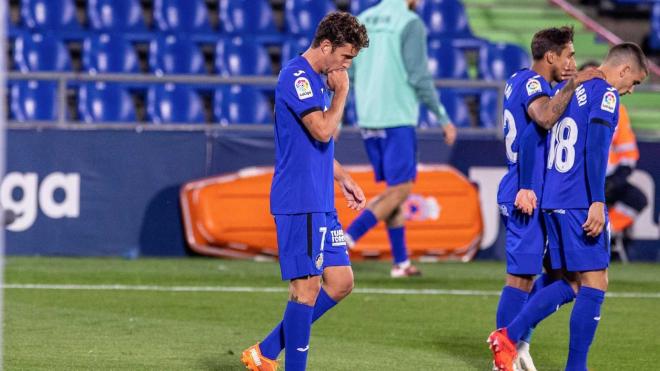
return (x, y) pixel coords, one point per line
(450, 133)
(588, 74)
(353, 193)
(526, 201)
(338, 80)
(595, 219)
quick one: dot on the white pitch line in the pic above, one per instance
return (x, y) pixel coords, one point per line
(39, 286)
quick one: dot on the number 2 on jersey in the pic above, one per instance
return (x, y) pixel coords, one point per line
(510, 126)
(562, 145)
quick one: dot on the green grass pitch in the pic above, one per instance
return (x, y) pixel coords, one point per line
(94, 329)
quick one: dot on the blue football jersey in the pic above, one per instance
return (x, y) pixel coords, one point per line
(522, 88)
(303, 179)
(566, 187)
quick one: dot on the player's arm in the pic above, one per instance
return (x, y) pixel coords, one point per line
(602, 121)
(323, 125)
(545, 111)
(531, 138)
(413, 50)
(350, 189)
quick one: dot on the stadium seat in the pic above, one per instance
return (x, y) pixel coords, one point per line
(34, 101)
(445, 61)
(291, 48)
(170, 103)
(49, 15)
(350, 112)
(241, 56)
(107, 53)
(302, 16)
(241, 104)
(118, 16)
(181, 16)
(358, 6)
(105, 102)
(444, 18)
(500, 61)
(456, 109)
(246, 17)
(654, 37)
(175, 54)
(41, 52)
(488, 114)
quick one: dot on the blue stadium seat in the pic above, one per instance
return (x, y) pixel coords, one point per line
(175, 54)
(445, 61)
(241, 104)
(170, 103)
(358, 6)
(456, 109)
(350, 112)
(241, 56)
(181, 16)
(654, 37)
(445, 18)
(41, 52)
(119, 16)
(246, 17)
(302, 16)
(105, 102)
(488, 114)
(34, 101)
(500, 61)
(107, 53)
(291, 48)
(49, 15)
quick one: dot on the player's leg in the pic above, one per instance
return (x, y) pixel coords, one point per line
(337, 283)
(394, 158)
(628, 202)
(299, 239)
(585, 318)
(397, 235)
(589, 256)
(525, 242)
(544, 303)
(374, 141)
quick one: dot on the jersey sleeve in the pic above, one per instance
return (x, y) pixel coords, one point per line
(300, 92)
(536, 87)
(604, 106)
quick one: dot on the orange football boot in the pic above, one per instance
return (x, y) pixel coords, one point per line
(255, 361)
(504, 350)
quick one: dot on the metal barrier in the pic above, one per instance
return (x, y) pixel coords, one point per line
(63, 79)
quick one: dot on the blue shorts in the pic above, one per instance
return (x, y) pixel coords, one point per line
(569, 245)
(307, 243)
(392, 153)
(525, 240)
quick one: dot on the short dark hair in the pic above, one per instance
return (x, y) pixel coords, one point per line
(628, 51)
(588, 64)
(551, 39)
(341, 28)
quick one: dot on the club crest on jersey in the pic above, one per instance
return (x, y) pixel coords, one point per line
(533, 86)
(609, 102)
(303, 88)
(319, 261)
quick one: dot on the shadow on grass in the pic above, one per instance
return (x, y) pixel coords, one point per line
(223, 362)
(471, 350)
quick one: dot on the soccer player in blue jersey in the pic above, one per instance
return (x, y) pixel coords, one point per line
(573, 203)
(528, 106)
(309, 236)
